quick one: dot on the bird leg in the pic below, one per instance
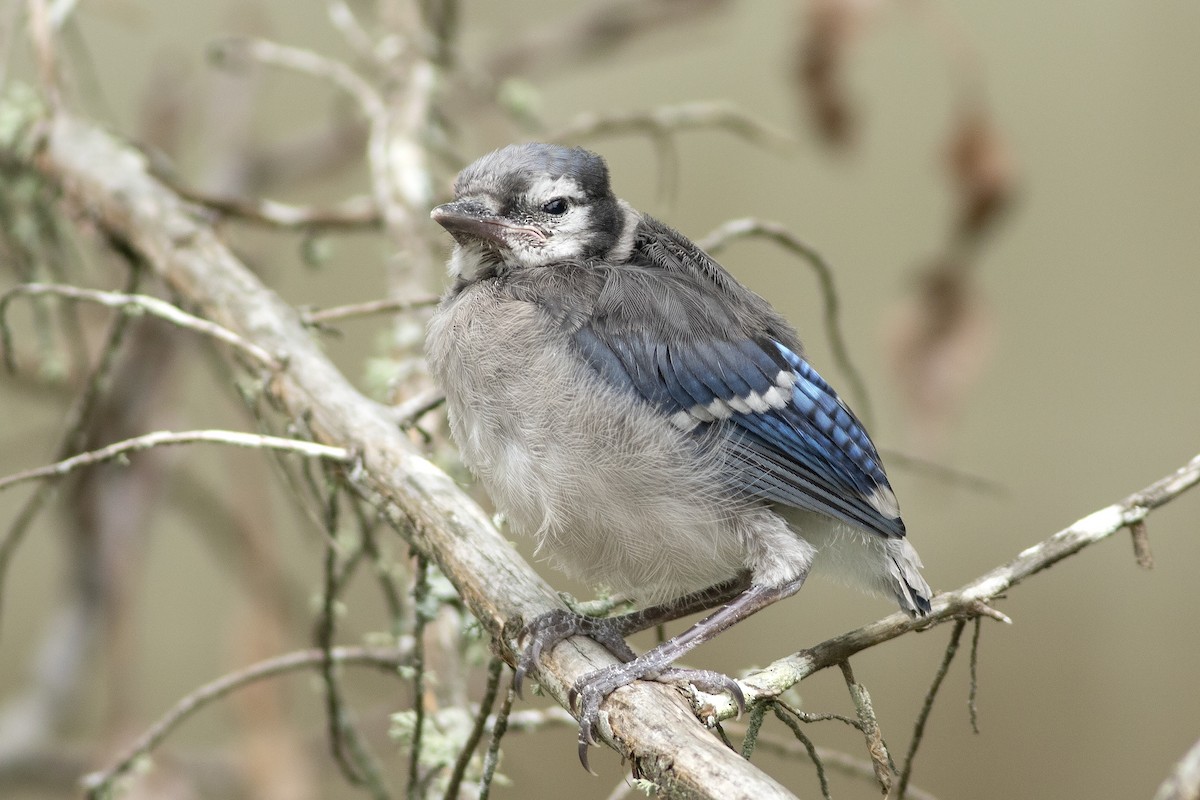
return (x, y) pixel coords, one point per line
(591, 689)
(547, 630)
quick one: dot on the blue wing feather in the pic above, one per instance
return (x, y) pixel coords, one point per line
(806, 450)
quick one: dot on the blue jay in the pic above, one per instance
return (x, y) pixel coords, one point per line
(649, 420)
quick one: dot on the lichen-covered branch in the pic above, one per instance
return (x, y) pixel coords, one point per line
(968, 601)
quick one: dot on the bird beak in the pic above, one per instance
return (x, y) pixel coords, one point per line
(467, 218)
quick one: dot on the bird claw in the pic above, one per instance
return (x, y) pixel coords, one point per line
(547, 630)
(706, 681)
(585, 698)
(543, 633)
(592, 689)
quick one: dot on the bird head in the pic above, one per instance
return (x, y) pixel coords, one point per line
(529, 205)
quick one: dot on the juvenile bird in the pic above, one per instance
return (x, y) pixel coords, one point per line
(651, 421)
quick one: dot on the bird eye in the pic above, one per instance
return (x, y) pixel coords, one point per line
(557, 206)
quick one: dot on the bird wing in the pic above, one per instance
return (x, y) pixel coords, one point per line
(789, 438)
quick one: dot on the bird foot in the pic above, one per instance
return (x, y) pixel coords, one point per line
(706, 681)
(591, 690)
(545, 632)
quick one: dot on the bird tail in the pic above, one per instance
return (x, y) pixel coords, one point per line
(910, 589)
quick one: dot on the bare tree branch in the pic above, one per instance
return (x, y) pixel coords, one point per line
(323, 315)
(162, 438)
(674, 119)
(968, 601)
(127, 302)
(308, 62)
(382, 658)
(357, 213)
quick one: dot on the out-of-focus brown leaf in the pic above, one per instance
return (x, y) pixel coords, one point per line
(938, 343)
(830, 27)
(983, 170)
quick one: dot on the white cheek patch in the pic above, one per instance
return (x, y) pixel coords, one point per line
(573, 229)
(568, 239)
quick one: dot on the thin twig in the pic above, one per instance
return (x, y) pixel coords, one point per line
(95, 387)
(773, 231)
(724, 737)
(809, 747)
(349, 751)
(387, 659)
(130, 303)
(1141, 545)
(409, 412)
(358, 213)
(343, 20)
(876, 748)
(623, 789)
(973, 692)
(529, 720)
(662, 121)
(420, 603)
(385, 306)
(235, 49)
(757, 713)
(834, 761)
(492, 758)
(495, 667)
(927, 708)
(821, 716)
(162, 438)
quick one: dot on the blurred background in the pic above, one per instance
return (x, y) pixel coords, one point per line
(1009, 197)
